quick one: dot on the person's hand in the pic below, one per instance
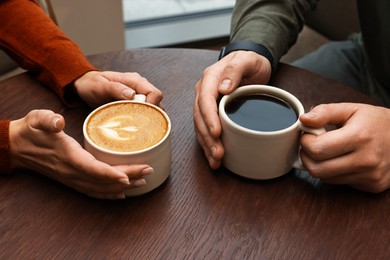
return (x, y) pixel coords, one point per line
(39, 143)
(357, 153)
(237, 68)
(99, 87)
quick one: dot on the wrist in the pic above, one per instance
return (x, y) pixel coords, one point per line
(245, 45)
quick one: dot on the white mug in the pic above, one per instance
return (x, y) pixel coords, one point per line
(158, 156)
(262, 155)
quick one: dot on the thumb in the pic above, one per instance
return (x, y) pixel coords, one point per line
(334, 114)
(46, 120)
(120, 91)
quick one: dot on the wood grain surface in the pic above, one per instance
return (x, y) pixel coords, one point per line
(198, 213)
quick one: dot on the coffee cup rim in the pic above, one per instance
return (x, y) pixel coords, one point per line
(86, 136)
(261, 89)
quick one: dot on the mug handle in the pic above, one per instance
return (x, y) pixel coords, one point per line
(315, 131)
(139, 98)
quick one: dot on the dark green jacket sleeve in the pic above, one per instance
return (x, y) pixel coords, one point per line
(374, 22)
(272, 23)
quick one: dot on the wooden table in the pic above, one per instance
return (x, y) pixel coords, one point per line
(197, 213)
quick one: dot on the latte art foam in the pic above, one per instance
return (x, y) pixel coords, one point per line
(127, 127)
(119, 128)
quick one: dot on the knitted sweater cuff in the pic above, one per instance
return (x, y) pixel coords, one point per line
(4, 146)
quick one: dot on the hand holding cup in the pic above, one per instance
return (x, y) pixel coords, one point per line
(261, 130)
(131, 132)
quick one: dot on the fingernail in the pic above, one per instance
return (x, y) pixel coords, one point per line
(140, 182)
(55, 122)
(211, 160)
(121, 196)
(147, 171)
(226, 84)
(213, 150)
(311, 114)
(124, 181)
(128, 93)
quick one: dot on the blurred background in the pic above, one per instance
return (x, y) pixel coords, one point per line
(169, 22)
(109, 25)
(103, 25)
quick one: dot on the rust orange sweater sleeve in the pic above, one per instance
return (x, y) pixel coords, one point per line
(30, 37)
(4, 146)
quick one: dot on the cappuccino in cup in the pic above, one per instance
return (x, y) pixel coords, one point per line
(127, 127)
(131, 132)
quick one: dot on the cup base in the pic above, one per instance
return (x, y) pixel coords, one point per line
(254, 174)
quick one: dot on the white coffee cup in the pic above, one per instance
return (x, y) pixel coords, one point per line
(158, 155)
(257, 154)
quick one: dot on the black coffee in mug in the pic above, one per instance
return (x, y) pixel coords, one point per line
(261, 112)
